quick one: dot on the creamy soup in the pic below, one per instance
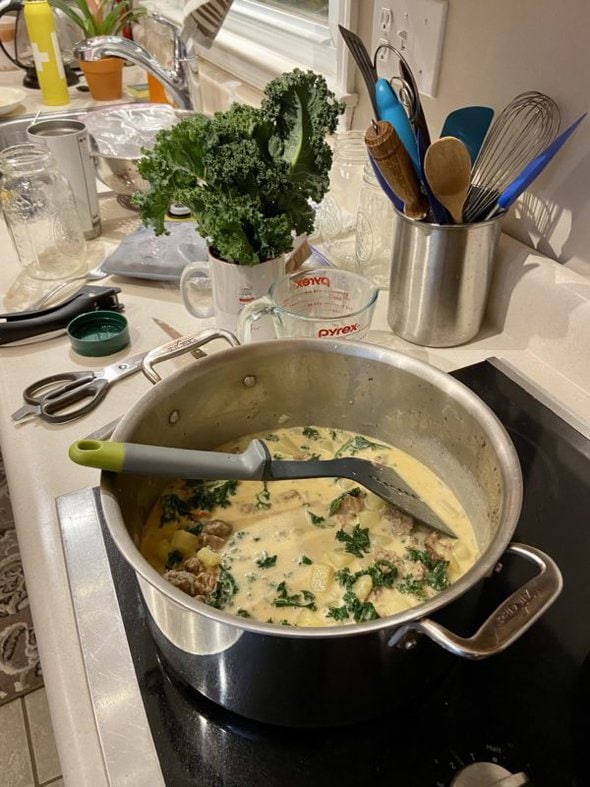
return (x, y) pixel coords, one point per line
(315, 552)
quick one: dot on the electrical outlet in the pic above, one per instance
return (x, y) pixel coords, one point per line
(416, 29)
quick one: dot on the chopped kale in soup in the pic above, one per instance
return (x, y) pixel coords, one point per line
(313, 552)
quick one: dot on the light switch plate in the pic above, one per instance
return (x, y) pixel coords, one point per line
(416, 29)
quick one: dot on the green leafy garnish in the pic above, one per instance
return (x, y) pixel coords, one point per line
(207, 495)
(336, 504)
(411, 586)
(383, 574)
(243, 613)
(309, 431)
(353, 607)
(195, 529)
(305, 561)
(173, 509)
(436, 575)
(174, 558)
(356, 542)
(263, 499)
(223, 592)
(304, 599)
(248, 174)
(356, 444)
(316, 520)
(268, 561)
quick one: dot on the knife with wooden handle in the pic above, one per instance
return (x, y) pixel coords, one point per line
(394, 163)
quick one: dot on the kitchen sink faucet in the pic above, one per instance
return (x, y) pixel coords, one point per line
(176, 80)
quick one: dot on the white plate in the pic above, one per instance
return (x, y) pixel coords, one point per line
(10, 97)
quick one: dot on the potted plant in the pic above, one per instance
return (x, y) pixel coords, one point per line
(104, 18)
(248, 175)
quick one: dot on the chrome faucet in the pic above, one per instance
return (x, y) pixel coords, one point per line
(176, 80)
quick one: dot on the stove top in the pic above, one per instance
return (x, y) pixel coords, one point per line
(524, 712)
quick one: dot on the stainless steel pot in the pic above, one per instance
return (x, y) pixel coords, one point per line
(315, 677)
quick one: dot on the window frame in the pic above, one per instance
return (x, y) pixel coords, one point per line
(241, 46)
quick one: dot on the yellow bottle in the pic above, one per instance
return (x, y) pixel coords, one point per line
(46, 52)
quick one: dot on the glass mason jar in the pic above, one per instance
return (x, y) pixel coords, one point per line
(40, 214)
(374, 231)
(337, 213)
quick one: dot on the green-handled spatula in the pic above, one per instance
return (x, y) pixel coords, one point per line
(255, 463)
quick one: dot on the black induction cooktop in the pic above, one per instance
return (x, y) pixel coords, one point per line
(527, 709)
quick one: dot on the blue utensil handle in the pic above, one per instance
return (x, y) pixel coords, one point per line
(535, 167)
(391, 110)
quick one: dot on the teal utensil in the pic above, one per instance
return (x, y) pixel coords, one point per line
(470, 125)
(390, 109)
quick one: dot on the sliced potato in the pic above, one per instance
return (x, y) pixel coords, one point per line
(339, 558)
(369, 518)
(209, 557)
(309, 618)
(185, 542)
(373, 503)
(362, 587)
(460, 550)
(321, 577)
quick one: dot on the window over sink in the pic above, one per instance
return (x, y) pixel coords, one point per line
(261, 39)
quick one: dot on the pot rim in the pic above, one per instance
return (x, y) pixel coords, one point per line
(497, 435)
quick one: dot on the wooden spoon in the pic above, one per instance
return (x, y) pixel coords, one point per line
(447, 168)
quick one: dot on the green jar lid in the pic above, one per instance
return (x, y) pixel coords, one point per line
(98, 333)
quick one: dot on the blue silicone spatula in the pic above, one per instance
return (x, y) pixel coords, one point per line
(470, 125)
(532, 170)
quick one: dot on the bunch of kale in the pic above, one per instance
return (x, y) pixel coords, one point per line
(247, 174)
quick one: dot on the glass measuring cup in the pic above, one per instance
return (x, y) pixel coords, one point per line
(323, 303)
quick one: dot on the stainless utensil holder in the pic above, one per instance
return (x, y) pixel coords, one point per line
(440, 279)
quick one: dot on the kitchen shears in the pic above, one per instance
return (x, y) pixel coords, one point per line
(52, 397)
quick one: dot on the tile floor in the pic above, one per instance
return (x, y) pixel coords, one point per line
(28, 756)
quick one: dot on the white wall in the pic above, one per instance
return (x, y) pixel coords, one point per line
(494, 50)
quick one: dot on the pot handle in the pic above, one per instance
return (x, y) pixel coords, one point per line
(509, 620)
(180, 346)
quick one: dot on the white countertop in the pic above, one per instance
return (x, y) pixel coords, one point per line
(538, 321)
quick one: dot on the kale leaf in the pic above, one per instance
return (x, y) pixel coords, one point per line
(304, 599)
(247, 174)
(356, 542)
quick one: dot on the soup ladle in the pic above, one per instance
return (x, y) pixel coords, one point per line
(255, 463)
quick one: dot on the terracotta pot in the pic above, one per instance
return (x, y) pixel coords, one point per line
(104, 77)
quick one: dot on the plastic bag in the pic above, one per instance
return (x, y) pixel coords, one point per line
(145, 255)
(123, 131)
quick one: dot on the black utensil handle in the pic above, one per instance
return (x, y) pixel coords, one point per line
(15, 327)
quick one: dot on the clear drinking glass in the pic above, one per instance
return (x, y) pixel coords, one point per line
(337, 212)
(40, 214)
(374, 231)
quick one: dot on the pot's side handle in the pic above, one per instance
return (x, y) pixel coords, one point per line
(508, 621)
(180, 346)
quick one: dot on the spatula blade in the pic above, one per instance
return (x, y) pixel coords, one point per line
(381, 480)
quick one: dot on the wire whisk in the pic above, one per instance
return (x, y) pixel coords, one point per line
(521, 131)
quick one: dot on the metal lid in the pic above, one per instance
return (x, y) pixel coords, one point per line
(98, 333)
